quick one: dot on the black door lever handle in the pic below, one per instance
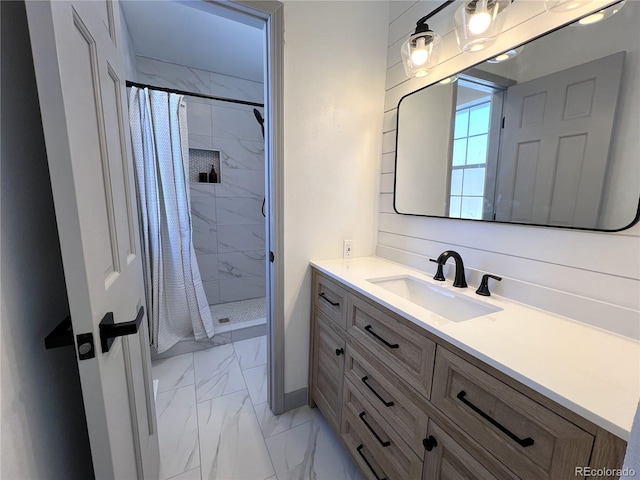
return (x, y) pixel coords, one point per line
(109, 330)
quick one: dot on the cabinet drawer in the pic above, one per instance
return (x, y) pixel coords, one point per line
(327, 370)
(532, 441)
(402, 349)
(362, 425)
(330, 298)
(405, 410)
(445, 459)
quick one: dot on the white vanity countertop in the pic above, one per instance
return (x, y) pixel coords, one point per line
(592, 372)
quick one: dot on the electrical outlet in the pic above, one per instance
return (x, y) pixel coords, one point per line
(347, 249)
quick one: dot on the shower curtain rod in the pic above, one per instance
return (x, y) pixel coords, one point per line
(191, 94)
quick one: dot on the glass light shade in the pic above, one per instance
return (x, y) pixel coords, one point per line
(420, 53)
(564, 5)
(601, 14)
(506, 56)
(448, 80)
(479, 22)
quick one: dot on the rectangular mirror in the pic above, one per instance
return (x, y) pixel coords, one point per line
(547, 134)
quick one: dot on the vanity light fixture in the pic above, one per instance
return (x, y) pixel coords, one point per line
(601, 14)
(505, 56)
(479, 22)
(448, 80)
(419, 52)
(564, 5)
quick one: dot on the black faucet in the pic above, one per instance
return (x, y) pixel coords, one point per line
(483, 289)
(459, 281)
(439, 276)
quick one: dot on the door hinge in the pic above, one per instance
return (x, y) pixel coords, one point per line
(503, 122)
(272, 257)
(86, 348)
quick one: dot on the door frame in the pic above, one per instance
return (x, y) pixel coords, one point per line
(272, 13)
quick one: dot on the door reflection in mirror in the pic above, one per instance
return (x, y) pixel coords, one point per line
(542, 138)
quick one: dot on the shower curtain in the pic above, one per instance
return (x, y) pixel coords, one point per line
(176, 299)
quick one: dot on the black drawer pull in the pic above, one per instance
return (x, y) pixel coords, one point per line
(326, 299)
(339, 351)
(359, 449)
(390, 345)
(523, 442)
(383, 443)
(429, 443)
(386, 404)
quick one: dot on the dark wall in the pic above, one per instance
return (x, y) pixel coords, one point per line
(44, 432)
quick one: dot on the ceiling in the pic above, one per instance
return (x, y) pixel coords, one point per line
(198, 35)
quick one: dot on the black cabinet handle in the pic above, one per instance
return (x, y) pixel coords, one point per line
(390, 345)
(359, 449)
(339, 351)
(386, 404)
(383, 443)
(326, 299)
(430, 443)
(523, 442)
(110, 330)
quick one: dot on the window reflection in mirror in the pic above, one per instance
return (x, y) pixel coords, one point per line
(541, 135)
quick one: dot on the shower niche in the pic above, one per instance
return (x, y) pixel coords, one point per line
(201, 161)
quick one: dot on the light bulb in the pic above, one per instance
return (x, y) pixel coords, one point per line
(419, 55)
(479, 22)
(502, 58)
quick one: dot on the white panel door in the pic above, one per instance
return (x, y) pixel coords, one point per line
(555, 145)
(81, 86)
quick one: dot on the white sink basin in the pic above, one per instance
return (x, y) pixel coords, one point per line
(445, 303)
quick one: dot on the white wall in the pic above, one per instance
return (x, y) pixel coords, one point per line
(335, 56)
(592, 277)
(44, 432)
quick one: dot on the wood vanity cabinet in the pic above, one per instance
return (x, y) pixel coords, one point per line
(409, 406)
(328, 345)
(327, 370)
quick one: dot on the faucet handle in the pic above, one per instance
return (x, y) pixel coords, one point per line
(483, 289)
(439, 276)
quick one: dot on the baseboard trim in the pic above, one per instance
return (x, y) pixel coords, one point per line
(295, 399)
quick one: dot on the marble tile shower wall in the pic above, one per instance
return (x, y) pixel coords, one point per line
(228, 226)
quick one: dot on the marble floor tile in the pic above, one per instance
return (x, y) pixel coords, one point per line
(178, 431)
(174, 372)
(256, 380)
(251, 352)
(230, 440)
(273, 425)
(217, 372)
(310, 450)
(193, 474)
